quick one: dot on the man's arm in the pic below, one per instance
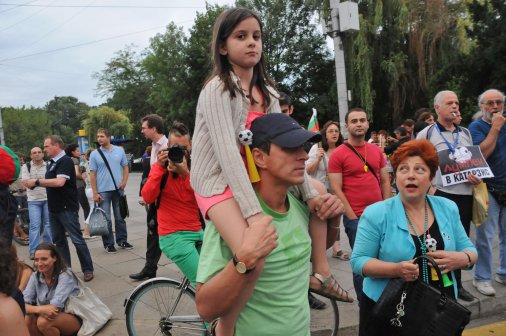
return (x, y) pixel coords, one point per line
(124, 178)
(336, 184)
(219, 294)
(93, 182)
(488, 145)
(56, 182)
(386, 189)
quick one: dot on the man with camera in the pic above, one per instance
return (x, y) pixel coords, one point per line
(168, 186)
(490, 134)
(152, 127)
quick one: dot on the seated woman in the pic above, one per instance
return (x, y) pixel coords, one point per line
(393, 232)
(11, 316)
(46, 293)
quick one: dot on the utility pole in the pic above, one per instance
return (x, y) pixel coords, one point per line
(343, 17)
(2, 139)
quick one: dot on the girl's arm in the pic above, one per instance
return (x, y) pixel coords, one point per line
(217, 112)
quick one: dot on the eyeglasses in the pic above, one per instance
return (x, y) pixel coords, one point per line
(493, 102)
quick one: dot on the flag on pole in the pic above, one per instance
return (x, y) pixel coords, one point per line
(313, 123)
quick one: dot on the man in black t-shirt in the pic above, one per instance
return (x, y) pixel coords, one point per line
(60, 184)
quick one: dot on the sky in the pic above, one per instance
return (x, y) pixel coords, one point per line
(52, 48)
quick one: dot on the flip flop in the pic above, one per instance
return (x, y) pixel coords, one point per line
(341, 255)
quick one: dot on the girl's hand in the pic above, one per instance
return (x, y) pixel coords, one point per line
(407, 271)
(449, 260)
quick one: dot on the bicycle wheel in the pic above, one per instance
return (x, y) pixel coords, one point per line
(325, 322)
(148, 310)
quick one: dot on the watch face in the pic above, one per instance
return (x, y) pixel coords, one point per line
(241, 267)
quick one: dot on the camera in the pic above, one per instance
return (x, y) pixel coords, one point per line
(176, 153)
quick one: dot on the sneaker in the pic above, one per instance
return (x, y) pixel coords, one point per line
(111, 250)
(484, 287)
(126, 246)
(500, 279)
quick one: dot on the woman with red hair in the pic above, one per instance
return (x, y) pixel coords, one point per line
(393, 232)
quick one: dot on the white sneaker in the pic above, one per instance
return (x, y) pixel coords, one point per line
(484, 287)
(500, 279)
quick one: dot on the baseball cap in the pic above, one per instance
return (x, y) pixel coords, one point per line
(9, 166)
(281, 130)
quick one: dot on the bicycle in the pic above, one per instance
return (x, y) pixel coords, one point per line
(163, 306)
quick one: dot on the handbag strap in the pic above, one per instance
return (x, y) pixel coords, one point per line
(162, 185)
(108, 167)
(419, 260)
(369, 167)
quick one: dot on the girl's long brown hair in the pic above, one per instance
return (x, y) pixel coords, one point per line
(223, 27)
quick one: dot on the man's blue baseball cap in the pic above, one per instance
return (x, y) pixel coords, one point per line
(281, 130)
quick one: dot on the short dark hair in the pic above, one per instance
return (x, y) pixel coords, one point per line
(154, 120)
(401, 130)
(56, 140)
(285, 99)
(355, 109)
(70, 148)
(409, 122)
(179, 129)
(104, 131)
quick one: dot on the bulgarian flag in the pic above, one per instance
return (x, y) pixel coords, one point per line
(313, 123)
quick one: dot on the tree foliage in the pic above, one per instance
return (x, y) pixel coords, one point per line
(116, 122)
(25, 128)
(67, 114)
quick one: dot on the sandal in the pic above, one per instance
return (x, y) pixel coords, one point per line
(21, 241)
(330, 288)
(341, 255)
(212, 327)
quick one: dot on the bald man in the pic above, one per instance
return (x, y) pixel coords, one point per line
(37, 199)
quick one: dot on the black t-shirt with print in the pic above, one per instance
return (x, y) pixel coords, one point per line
(62, 198)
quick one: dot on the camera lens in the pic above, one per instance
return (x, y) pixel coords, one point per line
(176, 154)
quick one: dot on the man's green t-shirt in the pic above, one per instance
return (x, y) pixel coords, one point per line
(278, 305)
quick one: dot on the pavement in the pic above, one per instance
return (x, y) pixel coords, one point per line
(113, 286)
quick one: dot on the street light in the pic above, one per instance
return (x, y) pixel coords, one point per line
(343, 18)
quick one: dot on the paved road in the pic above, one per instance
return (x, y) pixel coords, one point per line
(113, 285)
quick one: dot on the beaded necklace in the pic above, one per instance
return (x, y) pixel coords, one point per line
(425, 275)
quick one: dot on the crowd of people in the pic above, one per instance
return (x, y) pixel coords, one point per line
(247, 211)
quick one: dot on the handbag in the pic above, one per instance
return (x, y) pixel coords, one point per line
(417, 308)
(89, 308)
(123, 204)
(98, 222)
(480, 204)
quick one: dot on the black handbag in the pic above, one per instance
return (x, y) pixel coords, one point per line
(416, 308)
(123, 204)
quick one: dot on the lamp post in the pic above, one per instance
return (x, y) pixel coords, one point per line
(343, 18)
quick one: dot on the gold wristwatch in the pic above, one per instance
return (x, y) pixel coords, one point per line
(240, 266)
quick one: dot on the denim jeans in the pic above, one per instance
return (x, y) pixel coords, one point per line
(484, 239)
(350, 227)
(39, 213)
(112, 198)
(68, 220)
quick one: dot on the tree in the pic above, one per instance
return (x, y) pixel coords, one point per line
(398, 51)
(116, 122)
(125, 84)
(25, 128)
(67, 114)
